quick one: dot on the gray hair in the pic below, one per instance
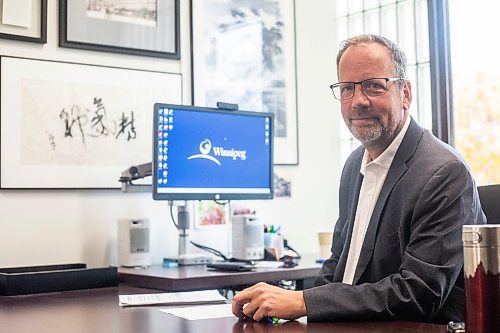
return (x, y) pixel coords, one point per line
(397, 55)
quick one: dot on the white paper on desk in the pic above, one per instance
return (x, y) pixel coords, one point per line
(269, 264)
(201, 311)
(179, 298)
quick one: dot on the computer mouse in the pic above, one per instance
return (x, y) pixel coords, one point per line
(271, 320)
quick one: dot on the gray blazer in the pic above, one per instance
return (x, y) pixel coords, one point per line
(411, 261)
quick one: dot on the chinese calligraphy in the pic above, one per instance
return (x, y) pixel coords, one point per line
(96, 123)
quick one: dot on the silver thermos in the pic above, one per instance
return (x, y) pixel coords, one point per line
(482, 277)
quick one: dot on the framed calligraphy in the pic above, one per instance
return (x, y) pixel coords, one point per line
(24, 20)
(68, 125)
(243, 52)
(145, 27)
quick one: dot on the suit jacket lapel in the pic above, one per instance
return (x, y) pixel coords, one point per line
(398, 168)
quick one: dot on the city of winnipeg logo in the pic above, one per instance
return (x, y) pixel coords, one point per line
(218, 152)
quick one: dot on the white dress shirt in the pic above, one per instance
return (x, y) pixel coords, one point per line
(374, 174)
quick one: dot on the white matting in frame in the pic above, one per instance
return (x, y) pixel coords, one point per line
(243, 52)
(24, 20)
(145, 27)
(66, 125)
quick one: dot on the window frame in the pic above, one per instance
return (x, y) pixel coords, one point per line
(441, 75)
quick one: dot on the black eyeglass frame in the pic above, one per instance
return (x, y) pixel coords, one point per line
(387, 79)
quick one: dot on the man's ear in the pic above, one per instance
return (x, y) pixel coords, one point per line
(407, 95)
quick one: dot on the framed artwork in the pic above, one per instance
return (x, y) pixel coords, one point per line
(210, 214)
(24, 20)
(142, 27)
(243, 52)
(68, 125)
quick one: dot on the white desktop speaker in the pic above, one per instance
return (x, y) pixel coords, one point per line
(247, 237)
(133, 243)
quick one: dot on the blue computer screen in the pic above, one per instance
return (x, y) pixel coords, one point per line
(207, 153)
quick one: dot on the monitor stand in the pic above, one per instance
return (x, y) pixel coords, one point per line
(186, 258)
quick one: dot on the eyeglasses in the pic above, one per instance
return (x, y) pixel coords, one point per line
(371, 87)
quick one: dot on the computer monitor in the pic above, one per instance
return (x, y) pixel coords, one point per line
(204, 153)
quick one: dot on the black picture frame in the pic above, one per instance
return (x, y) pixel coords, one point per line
(38, 98)
(35, 34)
(112, 30)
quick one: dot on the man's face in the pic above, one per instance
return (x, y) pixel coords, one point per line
(375, 121)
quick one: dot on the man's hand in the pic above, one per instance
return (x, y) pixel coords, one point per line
(263, 300)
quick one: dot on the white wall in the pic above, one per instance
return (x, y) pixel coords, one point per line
(60, 226)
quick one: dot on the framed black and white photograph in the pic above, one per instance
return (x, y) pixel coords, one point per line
(140, 27)
(243, 52)
(69, 125)
(24, 20)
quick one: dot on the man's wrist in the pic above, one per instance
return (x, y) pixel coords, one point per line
(302, 304)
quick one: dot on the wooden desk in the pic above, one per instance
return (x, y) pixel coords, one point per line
(97, 311)
(199, 277)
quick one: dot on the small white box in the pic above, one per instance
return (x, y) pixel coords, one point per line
(247, 237)
(133, 243)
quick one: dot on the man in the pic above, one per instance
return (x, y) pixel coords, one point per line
(404, 196)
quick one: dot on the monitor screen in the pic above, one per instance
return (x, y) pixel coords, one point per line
(211, 154)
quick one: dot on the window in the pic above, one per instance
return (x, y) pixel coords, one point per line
(476, 87)
(403, 22)
(461, 108)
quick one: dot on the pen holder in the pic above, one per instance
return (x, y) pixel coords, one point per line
(274, 243)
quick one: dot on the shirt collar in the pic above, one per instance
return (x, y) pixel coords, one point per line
(385, 159)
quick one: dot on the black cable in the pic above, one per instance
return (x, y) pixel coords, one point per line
(203, 247)
(209, 249)
(222, 203)
(172, 216)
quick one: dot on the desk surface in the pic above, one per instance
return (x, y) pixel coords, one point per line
(97, 311)
(199, 277)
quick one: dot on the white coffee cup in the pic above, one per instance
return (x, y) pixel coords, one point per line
(325, 244)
